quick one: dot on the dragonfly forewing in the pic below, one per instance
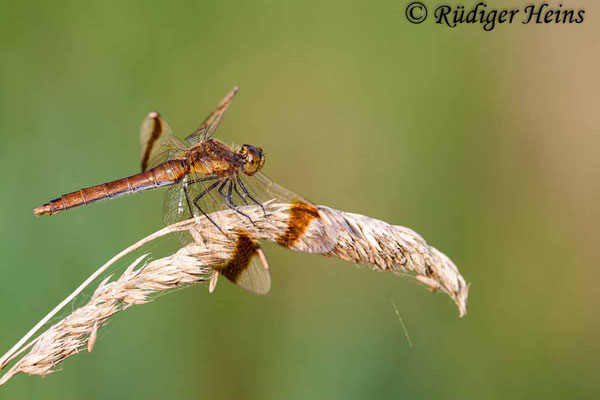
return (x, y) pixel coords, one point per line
(300, 224)
(262, 207)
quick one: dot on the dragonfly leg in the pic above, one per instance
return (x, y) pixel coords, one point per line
(248, 194)
(205, 191)
(239, 194)
(187, 197)
(228, 200)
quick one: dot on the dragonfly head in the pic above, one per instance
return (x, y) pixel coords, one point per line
(253, 159)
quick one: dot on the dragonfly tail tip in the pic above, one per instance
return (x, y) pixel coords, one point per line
(41, 210)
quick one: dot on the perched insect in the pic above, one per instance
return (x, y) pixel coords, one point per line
(205, 176)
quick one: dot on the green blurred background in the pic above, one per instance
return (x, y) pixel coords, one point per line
(486, 143)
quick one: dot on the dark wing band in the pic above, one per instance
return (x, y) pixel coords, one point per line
(248, 266)
(157, 141)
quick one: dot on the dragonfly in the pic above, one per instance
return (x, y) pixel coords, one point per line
(204, 175)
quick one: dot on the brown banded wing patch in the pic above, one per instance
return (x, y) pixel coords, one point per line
(244, 250)
(247, 267)
(301, 214)
(157, 142)
(152, 136)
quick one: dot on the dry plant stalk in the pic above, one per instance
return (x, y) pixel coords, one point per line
(358, 239)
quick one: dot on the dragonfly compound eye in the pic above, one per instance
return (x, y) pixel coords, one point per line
(253, 160)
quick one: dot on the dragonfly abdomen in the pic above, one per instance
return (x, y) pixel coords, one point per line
(164, 174)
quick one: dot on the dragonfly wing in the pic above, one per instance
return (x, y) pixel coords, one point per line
(211, 123)
(305, 228)
(157, 141)
(175, 209)
(194, 196)
(248, 266)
